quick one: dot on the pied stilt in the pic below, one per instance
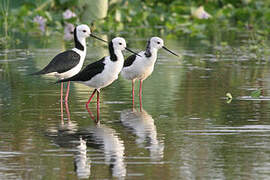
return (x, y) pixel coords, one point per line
(103, 72)
(70, 62)
(140, 67)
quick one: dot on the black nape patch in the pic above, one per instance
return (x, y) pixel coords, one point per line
(147, 51)
(129, 61)
(78, 45)
(113, 56)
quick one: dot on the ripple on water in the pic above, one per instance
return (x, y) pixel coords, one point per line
(231, 130)
(7, 154)
(249, 98)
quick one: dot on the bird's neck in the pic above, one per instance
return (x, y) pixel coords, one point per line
(115, 54)
(150, 52)
(119, 55)
(80, 42)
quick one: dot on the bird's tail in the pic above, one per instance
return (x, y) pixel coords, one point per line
(63, 80)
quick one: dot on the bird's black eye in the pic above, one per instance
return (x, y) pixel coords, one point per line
(158, 42)
(120, 43)
(84, 31)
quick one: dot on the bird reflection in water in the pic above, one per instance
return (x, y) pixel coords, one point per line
(66, 136)
(81, 161)
(142, 125)
(107, 139)
(97, 136)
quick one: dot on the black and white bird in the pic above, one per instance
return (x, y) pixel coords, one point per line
(103, 72)
(140, 67)
(70, 62)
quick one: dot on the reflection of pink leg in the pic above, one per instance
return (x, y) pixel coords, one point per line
(90, 114)
(67, 110)
(140, 94)
(67, 93)
(90, 98)
(133, 81)
(97, 105)
(61, 101)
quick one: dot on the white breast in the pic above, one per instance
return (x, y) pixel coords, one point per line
(108, 75)
(141, 68)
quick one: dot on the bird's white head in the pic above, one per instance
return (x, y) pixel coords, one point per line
(119, 43)
(156, 42)
(83, 31)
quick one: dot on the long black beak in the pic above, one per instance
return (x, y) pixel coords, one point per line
(132, 52)
(98, 38)
(170, 51)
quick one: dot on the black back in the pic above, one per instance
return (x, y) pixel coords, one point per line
(88, 72)
(147, 51)
(78, 45)
(61, 63)
(113, 57)
(129, 60)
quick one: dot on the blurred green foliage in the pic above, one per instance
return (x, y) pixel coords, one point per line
(173, 17)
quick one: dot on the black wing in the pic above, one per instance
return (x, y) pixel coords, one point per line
(129, 60)
(61, 63)
(88, 72)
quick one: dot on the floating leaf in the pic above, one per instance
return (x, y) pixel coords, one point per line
(256, 94)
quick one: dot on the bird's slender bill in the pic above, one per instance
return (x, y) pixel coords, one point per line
(98, 38)
(132, 52)
(170, 51)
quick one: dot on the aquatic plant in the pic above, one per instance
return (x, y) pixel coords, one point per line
(68, 14)
(171, 17)
(68, 31)
(41, 21)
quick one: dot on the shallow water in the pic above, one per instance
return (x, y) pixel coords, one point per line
(187, 129)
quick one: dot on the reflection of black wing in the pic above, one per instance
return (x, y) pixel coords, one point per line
(88, 72)
(130, 60)
(61, 63)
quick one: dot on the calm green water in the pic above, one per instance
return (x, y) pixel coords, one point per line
(187, 129)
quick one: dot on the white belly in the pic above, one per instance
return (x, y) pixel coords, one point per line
(75, 70)
(69, 73)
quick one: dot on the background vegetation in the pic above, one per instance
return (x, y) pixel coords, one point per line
(171, 17)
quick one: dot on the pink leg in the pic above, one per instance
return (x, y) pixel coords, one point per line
(90, 98)
(61, 101)
(140, 93)
(133, 81)
(97, 105)
(67, 93)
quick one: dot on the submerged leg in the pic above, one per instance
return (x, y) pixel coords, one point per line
(67, 93)
(97, 105)
(133, 82)
(90, 98)
(140, 94)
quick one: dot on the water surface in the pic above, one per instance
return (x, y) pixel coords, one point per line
(186, 130)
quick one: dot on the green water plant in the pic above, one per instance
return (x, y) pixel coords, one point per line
(256, 94)
(171, 17)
